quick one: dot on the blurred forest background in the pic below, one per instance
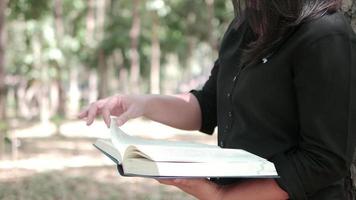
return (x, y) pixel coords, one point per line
(57, 56)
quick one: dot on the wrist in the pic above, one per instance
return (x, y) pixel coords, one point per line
(148, 105)
(219, 192)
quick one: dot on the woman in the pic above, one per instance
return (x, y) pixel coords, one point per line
(283, 87)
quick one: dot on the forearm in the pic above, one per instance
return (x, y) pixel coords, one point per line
(256, 189)
(180, 111)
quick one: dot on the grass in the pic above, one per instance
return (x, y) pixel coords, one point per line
(58, 185)
(47, 170)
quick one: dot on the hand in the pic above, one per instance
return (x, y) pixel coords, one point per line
(125, 107)
(202, 189)
(261, 189)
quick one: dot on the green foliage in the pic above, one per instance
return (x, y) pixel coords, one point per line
(31, 24)
(58, 119)
(29, 9)
(3, 126)
(181, 20)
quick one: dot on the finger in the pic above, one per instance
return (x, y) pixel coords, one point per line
(107, 110)
(83, 114)
(123, 118)
(166, 181)
(187, 182)
(92, 113)
(106, 116)
(180, 182)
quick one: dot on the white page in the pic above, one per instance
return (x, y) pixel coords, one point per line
(108, 147)
(141, 167)
(176, 153)
(121, 140)
(238, 163)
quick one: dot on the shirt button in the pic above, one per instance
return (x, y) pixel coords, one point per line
(230, 114)
(228, 95)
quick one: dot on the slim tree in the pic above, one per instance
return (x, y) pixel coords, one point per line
(134, 36)
(2, 60)
(211, 13)
(2, 73)
(59, 27)
(90, 30)
(100, 32)
(155, 55)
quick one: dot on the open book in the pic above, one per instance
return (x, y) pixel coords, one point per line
(136, 156)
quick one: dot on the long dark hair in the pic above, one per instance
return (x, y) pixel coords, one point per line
(272, 21)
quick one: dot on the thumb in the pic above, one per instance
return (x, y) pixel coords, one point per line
(123, 118)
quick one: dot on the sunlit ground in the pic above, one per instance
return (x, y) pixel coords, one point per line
(67, 166)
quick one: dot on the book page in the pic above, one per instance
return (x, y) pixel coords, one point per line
(106, 147)
(122, 141)
(179, 153)
(142, 168)
(160, 158)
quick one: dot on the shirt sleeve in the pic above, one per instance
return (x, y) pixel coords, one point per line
(207, 101)
(325, 85)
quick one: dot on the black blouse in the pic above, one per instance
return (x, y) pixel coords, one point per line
(296, 108)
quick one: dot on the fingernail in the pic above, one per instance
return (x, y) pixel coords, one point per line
(109, 122)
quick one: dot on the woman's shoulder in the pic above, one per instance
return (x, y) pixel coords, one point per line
(333, 24)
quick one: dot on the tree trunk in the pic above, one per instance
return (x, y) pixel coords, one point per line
(90, 22)
(73, 93)
(135, 57)
(2, 77)
(93, 86)
(100, 19)
(58, 18)
(103, 75)
(122, 71)
(211, 15)
(155, 55)
(213, 43)
(43, 97)
(90, 28)
(100, 31)
(2, 60)
(61, 98)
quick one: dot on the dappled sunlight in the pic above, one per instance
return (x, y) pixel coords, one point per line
(79, 129)
(69, 158)
(45, 162)
(136, 127)
(89, 183)
(39, 130)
